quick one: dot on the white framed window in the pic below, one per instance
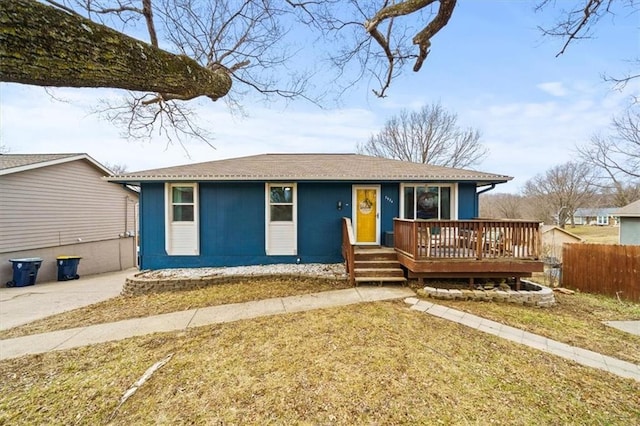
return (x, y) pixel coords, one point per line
(428, 201)
(281, 224)
(181, 219)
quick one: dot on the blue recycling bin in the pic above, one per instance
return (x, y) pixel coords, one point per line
(25, 271)
(68, 267)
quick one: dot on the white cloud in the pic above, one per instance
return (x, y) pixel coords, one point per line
(554, 88)
(528, 138)
(33, 123)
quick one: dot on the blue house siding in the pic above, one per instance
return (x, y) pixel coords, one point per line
(232, 225)
(467, 201)
(389, 207)
(151, 211)
(232, 222)
(319, 220)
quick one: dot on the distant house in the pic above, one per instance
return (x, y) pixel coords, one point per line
(553, 237)
(602, 216)
(292, 208)
(630, 223)
(59, 204)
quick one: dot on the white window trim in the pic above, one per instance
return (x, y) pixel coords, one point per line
(453, 202)
(168, 219)
(267, 216)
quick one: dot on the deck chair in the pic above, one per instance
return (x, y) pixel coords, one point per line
(428, 240)
(493, 242)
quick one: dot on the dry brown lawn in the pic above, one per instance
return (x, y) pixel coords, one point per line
(595, 234)
(126, 307)
(373, 363)
(576, 320)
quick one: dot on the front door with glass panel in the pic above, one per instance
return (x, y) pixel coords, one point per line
(366, 214)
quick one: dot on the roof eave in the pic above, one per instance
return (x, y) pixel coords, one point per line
(140, 179)
(57, 161)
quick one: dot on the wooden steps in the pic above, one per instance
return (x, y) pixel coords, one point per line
(377, 265)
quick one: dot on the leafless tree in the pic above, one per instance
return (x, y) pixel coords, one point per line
(116, 168)
(561, 190)
(616, 157)
(579, 21)
(221, 49)
(378, 37)
(502, 206)
(431, 135)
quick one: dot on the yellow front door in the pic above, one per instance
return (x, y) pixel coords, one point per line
(366, 215)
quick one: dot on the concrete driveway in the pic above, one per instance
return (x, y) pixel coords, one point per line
(21, 305)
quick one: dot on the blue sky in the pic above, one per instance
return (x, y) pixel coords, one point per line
(490, 65)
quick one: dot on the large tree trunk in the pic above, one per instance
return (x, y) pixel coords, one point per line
(45, 46)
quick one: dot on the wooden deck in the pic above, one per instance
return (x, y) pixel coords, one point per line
(459, 248)
(468, 248)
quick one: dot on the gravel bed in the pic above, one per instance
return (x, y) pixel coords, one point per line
(312, 269)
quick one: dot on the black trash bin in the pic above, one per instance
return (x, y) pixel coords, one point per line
(25, 271)
(68, 267)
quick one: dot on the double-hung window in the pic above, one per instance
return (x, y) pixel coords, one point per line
(281, 203)
(182, 204)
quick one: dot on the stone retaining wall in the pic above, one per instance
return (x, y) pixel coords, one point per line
(138, 285)
(533, 295)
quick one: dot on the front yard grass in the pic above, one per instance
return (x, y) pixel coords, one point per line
(127, 307)
(595, 234)
(373, 363)
(576, 320)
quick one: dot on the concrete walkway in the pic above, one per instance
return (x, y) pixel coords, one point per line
(22, 305)
(579, 355)
(632, 327)
(25, 304)
(83, 336)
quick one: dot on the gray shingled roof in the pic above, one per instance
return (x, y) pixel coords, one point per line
(309, 167)
(630, 210)
(12, 161)
(15, 163)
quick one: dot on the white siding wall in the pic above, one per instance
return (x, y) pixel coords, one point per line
(282, 239)
(60, 205)
(183, 239)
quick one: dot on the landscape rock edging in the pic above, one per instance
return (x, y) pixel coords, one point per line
(540, 296)
(138, 285)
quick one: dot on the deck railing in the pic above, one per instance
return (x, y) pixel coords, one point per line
(348, 252)
(468, 239)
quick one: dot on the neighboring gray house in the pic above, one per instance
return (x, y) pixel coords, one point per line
(59, 204)
(630, 223)
(603, 216)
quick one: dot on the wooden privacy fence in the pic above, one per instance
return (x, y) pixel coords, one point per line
(602, 268)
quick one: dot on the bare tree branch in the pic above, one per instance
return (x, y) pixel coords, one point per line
(563, 188)
(430, 136)
(580, 20)
(92, 55)
(616, 156)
